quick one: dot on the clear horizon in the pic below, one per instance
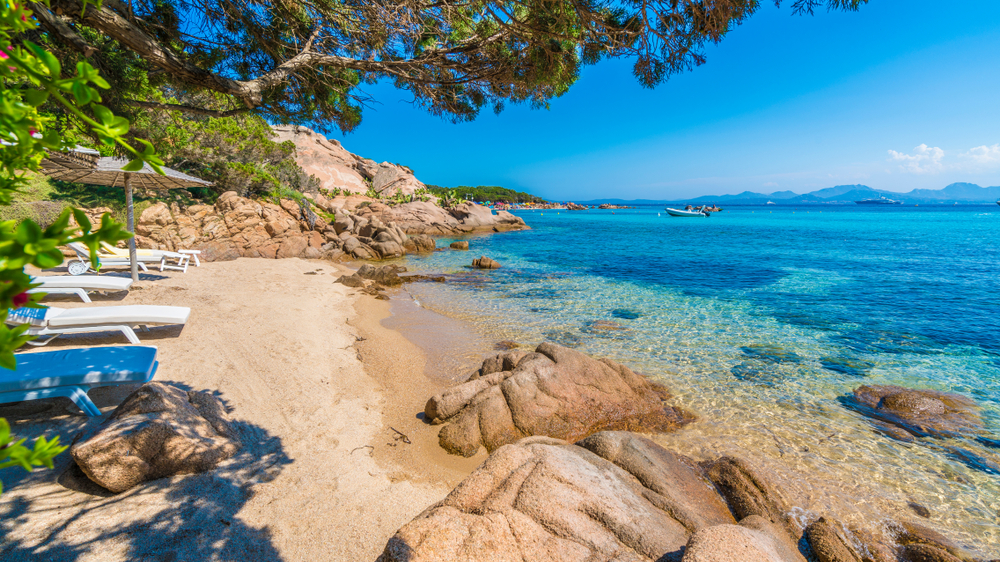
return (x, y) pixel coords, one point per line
(897, 96)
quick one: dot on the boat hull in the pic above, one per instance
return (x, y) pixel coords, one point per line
(679, 213)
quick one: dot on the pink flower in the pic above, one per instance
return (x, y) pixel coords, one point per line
(3, 55)
(32, 132)
(20, 300)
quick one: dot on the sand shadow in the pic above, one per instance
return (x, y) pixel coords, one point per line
(188, 517)
(110, 337)
(154, 274)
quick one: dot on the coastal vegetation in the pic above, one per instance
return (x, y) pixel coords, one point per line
(487, 193)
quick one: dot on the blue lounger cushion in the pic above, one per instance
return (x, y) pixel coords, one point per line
(72, 372)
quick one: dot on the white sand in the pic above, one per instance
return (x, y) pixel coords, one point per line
(320, 477)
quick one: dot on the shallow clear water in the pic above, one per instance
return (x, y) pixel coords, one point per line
(762, 321)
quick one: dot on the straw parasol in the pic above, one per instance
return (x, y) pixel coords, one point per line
(82, 166)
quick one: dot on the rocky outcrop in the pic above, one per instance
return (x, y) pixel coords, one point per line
(545, 499)
(619, 496)
(338, 169)
(919, 412)
(460, 245)
(420, 244)
(239, 227)
(424, 217)
(157, 431)
(484, 262)
(556, 392)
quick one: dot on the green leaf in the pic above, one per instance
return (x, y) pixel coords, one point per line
(103, 114)
(7, 360)
(35, 98)
(49, 259)
(133, 166)
(81, 93)
(118, 126)
(82, 220)
(47, 58)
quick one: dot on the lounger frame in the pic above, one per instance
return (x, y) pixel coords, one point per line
(127, 331)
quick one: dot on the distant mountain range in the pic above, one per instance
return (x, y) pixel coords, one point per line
(963, 193)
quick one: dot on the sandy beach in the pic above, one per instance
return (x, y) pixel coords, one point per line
(321, 394)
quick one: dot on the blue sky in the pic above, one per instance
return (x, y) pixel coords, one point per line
(902, 94)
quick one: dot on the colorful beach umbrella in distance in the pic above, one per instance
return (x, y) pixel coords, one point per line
(86, 167)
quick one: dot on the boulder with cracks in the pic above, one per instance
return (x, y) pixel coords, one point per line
(556, 392)
(157, 431)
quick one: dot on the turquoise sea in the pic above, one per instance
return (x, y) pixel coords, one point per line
(762, 321)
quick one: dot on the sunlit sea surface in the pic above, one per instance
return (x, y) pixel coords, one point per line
(762, 321)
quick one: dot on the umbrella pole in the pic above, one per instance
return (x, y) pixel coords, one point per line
(130, 214)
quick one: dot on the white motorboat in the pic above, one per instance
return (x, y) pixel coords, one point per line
(699, 212)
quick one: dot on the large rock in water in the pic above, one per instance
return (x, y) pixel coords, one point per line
(614, 496)
(557, 392)
(484, 262)
(920, 412)
(157, 431)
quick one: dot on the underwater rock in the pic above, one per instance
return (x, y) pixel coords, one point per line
(564, 338)
(847, 366)
(920, 412)
(770, 353)
(758, 374)
(974, 460)
(625, 314)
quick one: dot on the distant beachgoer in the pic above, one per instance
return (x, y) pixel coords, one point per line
(688, 208)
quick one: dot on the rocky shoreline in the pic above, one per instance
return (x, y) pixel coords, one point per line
(616, 495)
(342, 227)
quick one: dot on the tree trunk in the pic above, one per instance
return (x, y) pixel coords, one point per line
(130, 213)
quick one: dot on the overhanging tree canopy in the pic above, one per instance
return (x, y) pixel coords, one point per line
(303, 60)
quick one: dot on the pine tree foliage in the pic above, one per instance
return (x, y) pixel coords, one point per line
(299, 61)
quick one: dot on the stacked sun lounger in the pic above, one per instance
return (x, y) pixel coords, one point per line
(119, 258)
(79, 285)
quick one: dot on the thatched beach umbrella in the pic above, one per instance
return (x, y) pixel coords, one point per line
(79, 167)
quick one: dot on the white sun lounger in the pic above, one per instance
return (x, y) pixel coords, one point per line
(72, 372)
(54, 321)
(145, 254)
(79, 285)
(105, 259)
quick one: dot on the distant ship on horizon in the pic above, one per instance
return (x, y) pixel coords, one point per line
(881, 200)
